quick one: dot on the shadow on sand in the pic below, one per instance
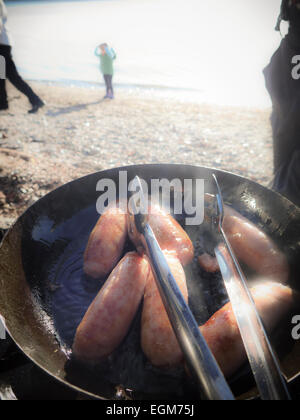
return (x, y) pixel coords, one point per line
(73, 108)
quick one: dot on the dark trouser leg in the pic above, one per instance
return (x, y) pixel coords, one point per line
(108, 83)
(14, 77)
(287, 179)
(285, 94)
(3, 94)
(286, 129)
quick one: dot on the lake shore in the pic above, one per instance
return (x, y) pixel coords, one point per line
(78, 133)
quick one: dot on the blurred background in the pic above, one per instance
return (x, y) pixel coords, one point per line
(189, 89)
(212, 51)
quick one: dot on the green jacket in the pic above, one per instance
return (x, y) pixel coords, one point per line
(106, 60)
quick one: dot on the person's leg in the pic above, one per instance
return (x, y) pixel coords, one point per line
(285, 95)
(4, 50)
(105, 76)
(287, 179)
(3, 96)
(14, 77)
(279, 154)
(110, 87)
(286, 128)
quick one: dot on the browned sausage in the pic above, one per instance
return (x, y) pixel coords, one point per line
(252, 247)
(109, 317)
(222, 334)
(255, 248)
(158, 340)
(169, 234)
(106, 243)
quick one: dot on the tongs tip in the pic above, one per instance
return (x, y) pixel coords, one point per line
(137, 206)
(219, 218)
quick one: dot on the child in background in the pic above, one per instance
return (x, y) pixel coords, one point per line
(107, 56)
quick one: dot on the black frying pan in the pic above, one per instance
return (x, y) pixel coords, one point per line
(44, 292)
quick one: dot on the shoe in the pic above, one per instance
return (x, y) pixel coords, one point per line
(36, 107)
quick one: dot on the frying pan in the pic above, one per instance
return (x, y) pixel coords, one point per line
(44, 292)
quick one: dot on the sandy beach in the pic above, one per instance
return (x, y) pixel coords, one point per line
(78, 133)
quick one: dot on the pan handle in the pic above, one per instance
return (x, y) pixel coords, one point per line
(294, 385)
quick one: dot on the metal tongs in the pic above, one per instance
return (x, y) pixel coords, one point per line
(200, 360)
(264, 364)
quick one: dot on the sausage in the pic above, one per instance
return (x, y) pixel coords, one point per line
(158, 340)
(221, 332)
(255, 248)
(109, 317)
(169, 234)
(106, 243)
(251, 246)
(208, 263)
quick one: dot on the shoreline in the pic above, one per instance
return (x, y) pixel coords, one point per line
(77, 133)
(144, 90)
